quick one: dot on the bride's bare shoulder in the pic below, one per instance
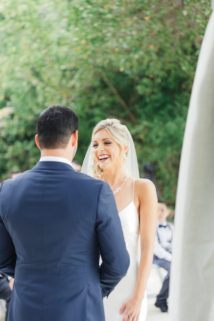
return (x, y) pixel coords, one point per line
(145, 188)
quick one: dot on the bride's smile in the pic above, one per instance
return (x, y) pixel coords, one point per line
(106, 151)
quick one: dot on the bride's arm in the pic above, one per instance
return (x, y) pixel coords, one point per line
(147, 196)
(148, 225)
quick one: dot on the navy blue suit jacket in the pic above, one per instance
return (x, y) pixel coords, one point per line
(54, 225)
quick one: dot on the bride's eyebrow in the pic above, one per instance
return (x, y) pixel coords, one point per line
(103, 139)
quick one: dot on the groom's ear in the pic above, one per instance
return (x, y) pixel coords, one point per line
(74, 138)
(37, 141)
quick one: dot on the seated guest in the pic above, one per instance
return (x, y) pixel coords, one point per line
(163, 253)
(5, 290)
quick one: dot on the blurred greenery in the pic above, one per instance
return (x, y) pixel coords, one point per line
(133, 60)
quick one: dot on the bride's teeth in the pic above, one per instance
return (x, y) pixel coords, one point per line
(103, 157)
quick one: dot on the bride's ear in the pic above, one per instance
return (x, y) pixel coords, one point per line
(126, 149)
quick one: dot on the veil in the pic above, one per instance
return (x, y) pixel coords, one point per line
(131, 164)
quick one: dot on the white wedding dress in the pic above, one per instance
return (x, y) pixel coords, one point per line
(130, 225)
(125, 289)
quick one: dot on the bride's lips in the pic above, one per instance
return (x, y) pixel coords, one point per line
(103, 157)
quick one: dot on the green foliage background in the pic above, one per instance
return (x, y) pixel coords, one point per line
(133, 60)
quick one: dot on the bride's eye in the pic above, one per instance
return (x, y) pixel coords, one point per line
(95, 145)
(107, 143)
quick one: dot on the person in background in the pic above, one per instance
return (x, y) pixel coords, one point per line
(6, 286)
(163, 253)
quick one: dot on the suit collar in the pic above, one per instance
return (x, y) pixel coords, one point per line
(53, 165)
(55, 159)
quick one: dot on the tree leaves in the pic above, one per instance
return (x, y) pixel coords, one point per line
(133, 60)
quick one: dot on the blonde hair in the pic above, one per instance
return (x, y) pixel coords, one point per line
(119, 133)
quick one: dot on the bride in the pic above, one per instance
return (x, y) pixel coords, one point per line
(112, 158)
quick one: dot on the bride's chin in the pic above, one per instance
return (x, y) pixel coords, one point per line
(104, 166)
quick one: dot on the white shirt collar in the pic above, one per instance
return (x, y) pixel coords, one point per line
(55, 159)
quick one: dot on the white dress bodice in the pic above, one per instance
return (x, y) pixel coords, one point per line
(125, 289)
(130, 226)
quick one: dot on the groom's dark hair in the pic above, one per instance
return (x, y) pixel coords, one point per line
(55, 126)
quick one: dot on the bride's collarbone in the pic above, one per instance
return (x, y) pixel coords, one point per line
(127, 195)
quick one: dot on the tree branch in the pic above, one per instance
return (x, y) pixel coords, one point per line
(121, 100)
(178, 3)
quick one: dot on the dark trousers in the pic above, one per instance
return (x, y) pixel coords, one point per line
(164, 291)
(5, 291)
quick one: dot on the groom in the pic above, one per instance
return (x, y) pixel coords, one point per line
(54, 224)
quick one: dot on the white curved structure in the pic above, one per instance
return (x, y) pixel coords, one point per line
(192, 282)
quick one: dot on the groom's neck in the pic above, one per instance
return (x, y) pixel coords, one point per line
(57, 153)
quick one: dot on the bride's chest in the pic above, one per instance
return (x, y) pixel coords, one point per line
(129, 220)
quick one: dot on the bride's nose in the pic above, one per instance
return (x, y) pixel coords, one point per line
(101, 148)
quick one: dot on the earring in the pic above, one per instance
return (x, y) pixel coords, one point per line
(124, 155)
